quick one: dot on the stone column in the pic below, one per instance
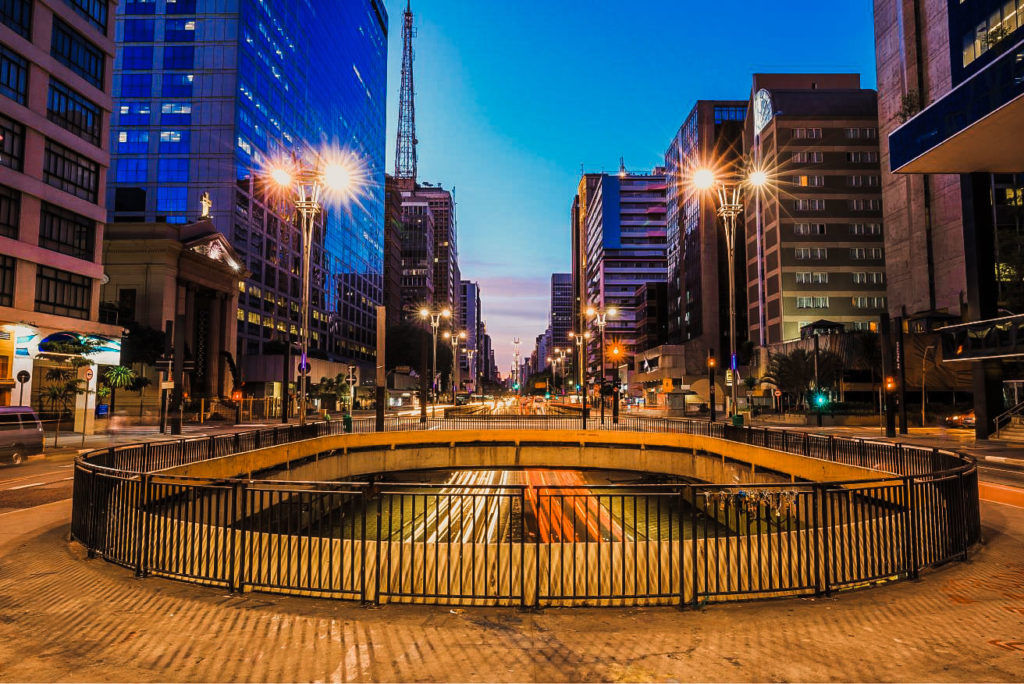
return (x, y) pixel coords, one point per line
(215, 345)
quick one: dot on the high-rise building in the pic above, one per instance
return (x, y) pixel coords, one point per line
(55, 75)
(417, 237)
(472, 323)
(814, 242)
(446, 253)
(621, 227)
(561, 309)
(207, 96)
(697, 294)
(392, 291)
(952, 100)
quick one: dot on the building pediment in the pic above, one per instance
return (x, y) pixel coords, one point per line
(216, 248)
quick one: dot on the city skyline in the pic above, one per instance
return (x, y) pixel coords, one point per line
(498, 115)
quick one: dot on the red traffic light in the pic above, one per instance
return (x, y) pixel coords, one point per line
(890, 383)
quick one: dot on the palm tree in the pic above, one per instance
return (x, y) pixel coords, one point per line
(116, 378)
(793, 373)
(61, 393)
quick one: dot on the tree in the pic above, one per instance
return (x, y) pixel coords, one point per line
(69, 356)
(139, 384)
(118, 377)
(793, 373)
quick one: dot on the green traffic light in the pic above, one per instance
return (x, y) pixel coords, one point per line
(820, 400)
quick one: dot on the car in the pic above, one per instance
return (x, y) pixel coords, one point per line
(21, 434)
(961, 420)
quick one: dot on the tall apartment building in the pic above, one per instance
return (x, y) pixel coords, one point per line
(561, 309)
(952, 92)
(55, 105)
(207, 95)
(417, 238)
(446, 251)
(472, 323)
(622, 229)
(815, 243)
(392, 290)
(711, 137)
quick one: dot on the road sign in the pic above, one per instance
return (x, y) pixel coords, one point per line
(541, 384)
(24, 376)
(728, 376)
(778, 393)
(88, 373)
(167, 385)
(307, 368)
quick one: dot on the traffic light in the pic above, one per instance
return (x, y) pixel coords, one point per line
(515, 386)
(547, 395)
(890, 383)
(820, 400)
(712, 362)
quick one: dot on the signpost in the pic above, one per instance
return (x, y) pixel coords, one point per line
(23, 377)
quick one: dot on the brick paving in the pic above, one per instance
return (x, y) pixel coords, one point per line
(66, 618)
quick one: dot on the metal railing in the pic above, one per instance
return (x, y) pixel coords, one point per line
(543, 544)
(1007, 416)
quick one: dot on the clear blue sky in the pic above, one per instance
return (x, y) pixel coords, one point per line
(512, 96)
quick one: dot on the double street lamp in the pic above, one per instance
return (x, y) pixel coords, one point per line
(435, 317)
(316, 176)
(558, 358)
(454, 338)
(729, 193)
(581, 349)
(600, 316)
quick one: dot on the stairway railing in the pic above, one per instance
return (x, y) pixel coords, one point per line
(1006, 417)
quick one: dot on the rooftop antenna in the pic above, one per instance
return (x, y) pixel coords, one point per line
(405, 146)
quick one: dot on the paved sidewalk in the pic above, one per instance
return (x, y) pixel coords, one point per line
(66, 618)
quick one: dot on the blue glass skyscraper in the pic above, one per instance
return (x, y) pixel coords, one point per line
(206, 92)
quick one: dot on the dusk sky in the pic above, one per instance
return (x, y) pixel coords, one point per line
(512, 97)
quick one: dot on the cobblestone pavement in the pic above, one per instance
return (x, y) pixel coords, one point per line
(64, 617)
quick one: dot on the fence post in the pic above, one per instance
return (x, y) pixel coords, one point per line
(860, 453)
(694, 556)
(806, 444)
(911, 533)
(213, 447)
(141, 526)
(962, 523)
(832, 456)
(821, 492)
(236, 561)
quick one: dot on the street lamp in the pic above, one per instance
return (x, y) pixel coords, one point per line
(454, 338)
(470, 353)
(435, 320)
(581, 347)
(729, 192)
(600, 316)
(330, 175)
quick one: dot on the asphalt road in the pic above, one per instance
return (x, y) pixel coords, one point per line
(36, 482)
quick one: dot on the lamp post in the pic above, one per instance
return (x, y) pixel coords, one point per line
(311, 179)
(600, 316)
(454, 338)
(581, 347)
(435, 320)
(560, 353)
(729, 193)
(470, 353)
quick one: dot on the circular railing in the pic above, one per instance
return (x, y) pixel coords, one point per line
(541, 545)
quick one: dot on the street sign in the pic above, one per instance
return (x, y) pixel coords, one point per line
(24, 376)
(167, 385)
(728, 377)
(778, 393)
(541, 384)
(88, 373)
(307, 367)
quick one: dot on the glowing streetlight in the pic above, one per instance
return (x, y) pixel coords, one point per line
(600, 316)
(330, 173)
(454, 340)
(703, 179)
(581, 345)
(435, 320)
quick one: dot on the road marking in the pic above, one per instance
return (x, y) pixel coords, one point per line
(996, 493)
(34, 484)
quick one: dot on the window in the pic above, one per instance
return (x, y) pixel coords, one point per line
(171, 200)
(807, 157)
(810, 205)
(17, 15)
(807, 253)
(812, 302)
(869, 278)
(990, 32)
(78, 54)
(179, 57)
(861, 133)
(7, 266)
(137, 57)
(67, 232)
(807, 133)
(140, 7)
(173, 171)
(73, 112)
(808, 228)
(724, 113)
(862, 157)
(869, 302)
(131, 170)
(865, 204)
(809, 181)
(12, 143)
(136, 85)
(133, 114)
(70, 171)
(862, 181)
(177, 85)
(13, 75)
(809, 278)
(181, 7)
(10, 211)
(95, 11)
(866, 253)
(176, 113)
(139, 30)
(132, 141)
(62, 293)
(179, 31)
(865, 229)
(174, 142)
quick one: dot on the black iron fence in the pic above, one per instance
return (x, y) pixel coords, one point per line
(529, 544)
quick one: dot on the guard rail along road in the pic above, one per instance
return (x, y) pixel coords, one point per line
(533, 544)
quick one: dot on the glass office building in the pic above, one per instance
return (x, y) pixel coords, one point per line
(206, 93)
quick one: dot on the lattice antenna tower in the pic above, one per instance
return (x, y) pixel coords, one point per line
(405, 147)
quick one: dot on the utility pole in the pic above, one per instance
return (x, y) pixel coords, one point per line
(381, 392)
(711, 384)
(889, 377)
